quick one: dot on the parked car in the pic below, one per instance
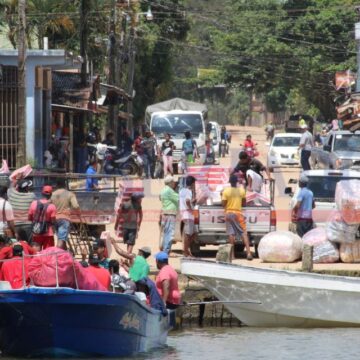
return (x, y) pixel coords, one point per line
(283, 151)
(341, 150)
(323, 185)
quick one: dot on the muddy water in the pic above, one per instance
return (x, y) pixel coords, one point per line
(252, 343)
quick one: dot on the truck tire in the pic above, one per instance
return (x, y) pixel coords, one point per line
(195, 248)
(238, 249)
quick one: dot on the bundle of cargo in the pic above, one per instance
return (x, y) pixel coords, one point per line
(280, 247)
(126, 189)
(350, 253)
(347, 199)
(339, 231)
(324, 250)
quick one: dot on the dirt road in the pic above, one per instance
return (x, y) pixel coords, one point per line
(149, 232)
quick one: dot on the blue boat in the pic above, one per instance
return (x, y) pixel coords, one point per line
(63, 322)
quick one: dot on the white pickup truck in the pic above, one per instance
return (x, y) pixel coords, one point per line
(323, 185)
(210, 222)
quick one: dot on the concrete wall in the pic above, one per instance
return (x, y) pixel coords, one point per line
(34, 58)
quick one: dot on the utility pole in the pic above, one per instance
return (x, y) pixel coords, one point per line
(21, 149)
(113, 108)
(84, 32)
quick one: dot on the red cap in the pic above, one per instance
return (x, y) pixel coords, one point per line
(47, 190)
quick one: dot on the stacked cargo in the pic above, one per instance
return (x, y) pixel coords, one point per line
(126, 189)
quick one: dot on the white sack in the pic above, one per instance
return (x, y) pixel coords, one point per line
(338, 231)
(350, 253)
(280, 246)
(323, 250)
(326, 253)
(347, 198)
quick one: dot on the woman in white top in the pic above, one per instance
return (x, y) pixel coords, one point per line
(7, 224)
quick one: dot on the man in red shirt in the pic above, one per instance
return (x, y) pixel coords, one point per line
(43, 211)
(167, 281)
(101, 274)
(12, 270)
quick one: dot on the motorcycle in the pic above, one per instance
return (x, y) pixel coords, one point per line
(116, 162)
(251, 151)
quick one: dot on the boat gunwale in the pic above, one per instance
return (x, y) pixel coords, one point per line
(343, 281)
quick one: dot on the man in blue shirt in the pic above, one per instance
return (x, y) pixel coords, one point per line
(92, 183)
(302, 211)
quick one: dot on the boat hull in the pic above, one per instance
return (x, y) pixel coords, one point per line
(268, 297)
(66, 322)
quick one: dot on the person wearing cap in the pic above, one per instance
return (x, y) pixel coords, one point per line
(132, 217)
(233, 199)
(167, 281)
(306, 144)
(7, 224)
(139, 267)
(302, 211)
(43, 210)
(167, 148)
(169, 208)
(186, 203)
(102, 275)
(65, 202)
(20, 198)
(12, 270)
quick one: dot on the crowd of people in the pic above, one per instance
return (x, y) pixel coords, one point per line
(50, 215)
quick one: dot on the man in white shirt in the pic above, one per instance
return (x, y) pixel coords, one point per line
(186, 203)
(306, 144)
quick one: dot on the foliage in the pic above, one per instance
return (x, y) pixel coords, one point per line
(274, 47)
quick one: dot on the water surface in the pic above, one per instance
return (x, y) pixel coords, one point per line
(252, 343)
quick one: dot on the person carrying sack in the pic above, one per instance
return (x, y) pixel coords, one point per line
(42, 214)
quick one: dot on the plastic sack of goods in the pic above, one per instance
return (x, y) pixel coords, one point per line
(324, 251)
(347, 198)
(338, 231)
(350, 253)
(280, 246)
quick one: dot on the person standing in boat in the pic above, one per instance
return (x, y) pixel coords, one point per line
(167, 281)
(99, 248)
(7, 224)
(302, 211)
(233, 199)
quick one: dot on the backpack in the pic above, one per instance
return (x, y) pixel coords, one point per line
(39, 225)
(188, 146)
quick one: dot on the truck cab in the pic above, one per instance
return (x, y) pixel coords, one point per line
(323, 185)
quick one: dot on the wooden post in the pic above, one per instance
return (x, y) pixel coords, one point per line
(21, 149)
(307, 258)
(71, 142)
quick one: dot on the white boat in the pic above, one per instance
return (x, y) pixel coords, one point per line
(269, 297)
